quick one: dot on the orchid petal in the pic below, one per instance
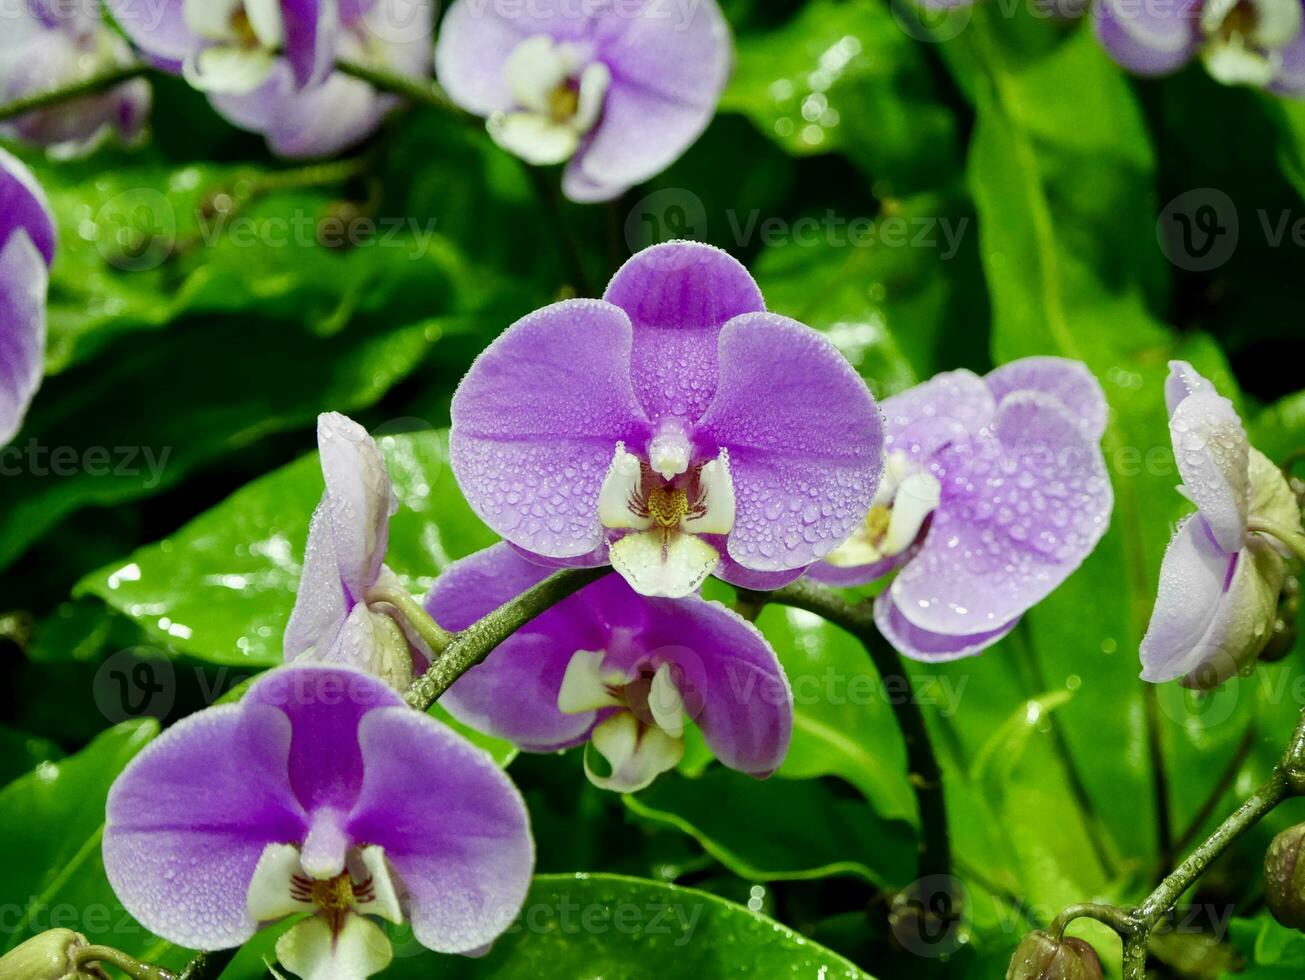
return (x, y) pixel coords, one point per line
(806, 458)
(1211, 451)
(535, 423)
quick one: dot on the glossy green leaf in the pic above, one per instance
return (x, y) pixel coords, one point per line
(613, 926)
(792, 829)
(846, 76)
(52, 822)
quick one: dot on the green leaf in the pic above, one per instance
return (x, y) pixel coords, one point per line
(781, 829)
(118, 432)
(845, 76)
(52, 821)
(614, 926)
(21, 752)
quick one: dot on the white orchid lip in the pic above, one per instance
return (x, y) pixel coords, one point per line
(244, 37)
(644, 736)
(559, 94)
(1246, 38)
(906, 497)
(337, 939)
(664, 555)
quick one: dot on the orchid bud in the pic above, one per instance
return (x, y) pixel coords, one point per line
(1284, 878)
(48, 956)
(1040, 957)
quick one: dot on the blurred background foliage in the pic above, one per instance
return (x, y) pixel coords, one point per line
(1028, 173)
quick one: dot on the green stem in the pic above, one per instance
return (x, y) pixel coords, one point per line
(925, 775)
(90, 85)
(1116, 918)
(476, 642)
(418, 90)
(1136, 925)
(1289, 538)
(436, 637)
(129, 965)
(208, 966)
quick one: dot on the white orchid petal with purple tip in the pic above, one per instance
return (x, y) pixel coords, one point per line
(333, 620)
(633, 421)
(1222, 575)
(618, 91)
(611, 665)
(322, 792)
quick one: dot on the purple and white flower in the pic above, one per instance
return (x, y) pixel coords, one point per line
(995, 491)
(47, 44)
(338, 617)
(1225, 568)
(625, 673)
(341, 111)
(233, 46)
(617, 91)
(321, 792)
(674, 428)
(27, 240)
(1241, 42)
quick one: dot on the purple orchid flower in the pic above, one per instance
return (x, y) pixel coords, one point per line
(617, 91)
(338, 617)
(1225, 568)
(51, 43)
(341, 111)
(996, 490)
(320, 792)
(619, 671)
(26, 249)
(233, 46)
(1242, 42)
(631, 429)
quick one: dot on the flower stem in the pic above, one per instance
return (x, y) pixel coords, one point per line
(436, 637)
(208, 966)
(1290, 539)
(925, 775)
(472, 645)
(90, 85)
(1136, 925)
(418, 90)
(129, 965)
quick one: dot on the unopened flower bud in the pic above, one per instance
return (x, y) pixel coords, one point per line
(49, 956)
(1284, 878)
(1040, 957)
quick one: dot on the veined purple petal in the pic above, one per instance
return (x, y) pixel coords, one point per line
(1213, 457)
(920, 644)
(536, 422)
(746, 712)
(1214, 611)
(457, 834)
(678, 296)
(806, 455)
(189, 817)
(23, 206)
(746, 578)
(513, 694)
(1068, 381)
(310, 38)
(325, 705)
(1038, 506)
(851, 575)
(1149, 37)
